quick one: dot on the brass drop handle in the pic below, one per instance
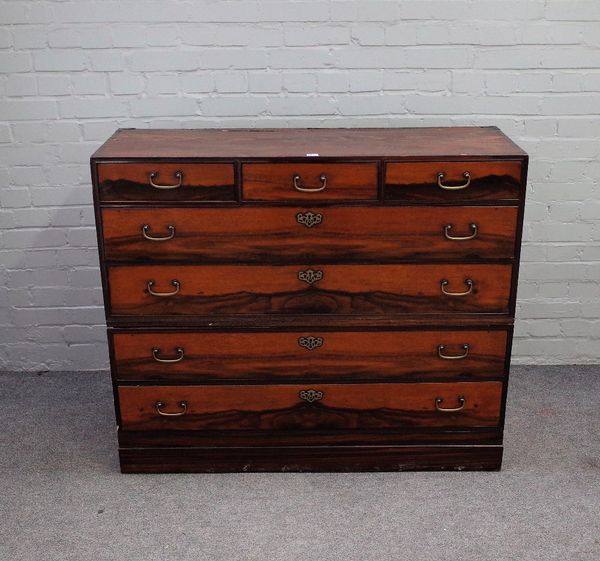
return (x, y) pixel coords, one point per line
(156, 352)
(170, 236)
(444, 284)
(154, 174)
(311, 395)
(441, 175)
(440, 400)
(473, 234)
(159, 404)
(441, 354)
(296, 179)
(174, 282)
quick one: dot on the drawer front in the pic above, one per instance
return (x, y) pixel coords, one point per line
(310, 407)
(317, 234)
(450, 182)
(309, 182)
(172, 357)
(298, 289)
(170, 182)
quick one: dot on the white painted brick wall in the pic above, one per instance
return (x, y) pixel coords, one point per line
(73, 71)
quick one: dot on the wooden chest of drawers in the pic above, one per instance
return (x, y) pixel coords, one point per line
(309, 299)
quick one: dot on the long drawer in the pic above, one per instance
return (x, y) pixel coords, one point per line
(316, 234)
(187, 357)
(328, 289)
(310, 407)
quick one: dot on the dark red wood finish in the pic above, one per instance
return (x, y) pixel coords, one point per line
(337, 406)
(330, 289)
(497, 187)
(460, 182)
(173, 182)
(432, 143)
(309, 234)
(310, 182)
(420, 355)
(421, 436)
(339, 459)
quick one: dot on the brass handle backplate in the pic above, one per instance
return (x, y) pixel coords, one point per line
(444, 284)
(179, 357)
(310, 343)
(296, 179)
(160, 404)
(154, 174)
(170, 236)
(441, 354)
(309, 276)
(441, 175)
(311, 395)
(174, 282)
(309, 219)
(440, 400)
(473, 234)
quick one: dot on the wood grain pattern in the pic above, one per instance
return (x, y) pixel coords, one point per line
(417, 181)
(274, 181)
(294, 321)
(279, 407)
(241, 310)
(486, 436)
(432, 143)
(344, 289)
(339, 459)
(268, 356)
(256, 235)
(129, 182)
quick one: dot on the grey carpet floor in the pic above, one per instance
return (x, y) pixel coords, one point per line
(62, 496)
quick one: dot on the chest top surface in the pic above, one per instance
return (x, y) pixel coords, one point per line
(407, 143)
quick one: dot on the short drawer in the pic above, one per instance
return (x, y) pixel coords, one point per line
(165, 182)
(310, 407)
(309, 181)
(298, 289)
(172, 357)
(448, 182)
(256, 235)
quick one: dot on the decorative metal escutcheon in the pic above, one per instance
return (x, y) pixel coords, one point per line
(309, 219)
(309, 276)
(310, 342)
(311, 395)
